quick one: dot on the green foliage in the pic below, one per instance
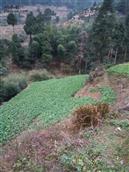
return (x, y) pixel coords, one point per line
(120, 123)
(39, 75)
(48, 13)
(50, 101)
(122, 6)
(88, 159)
(4, 50)
(121, 69)
(61, 50)
(3, 70)
(26, 164)
(108, 95)
(29, 24)
(11, 19)
(10, 86)
(101, 35)
(34, 50)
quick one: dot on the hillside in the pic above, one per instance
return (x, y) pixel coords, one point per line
(49, 104)
(64, 86)
(70, 3)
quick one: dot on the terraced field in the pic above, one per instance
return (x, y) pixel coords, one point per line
(50, 101)
(47, 101)
(121, 69)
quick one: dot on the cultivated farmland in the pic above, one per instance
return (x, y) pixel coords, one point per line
(50, 101)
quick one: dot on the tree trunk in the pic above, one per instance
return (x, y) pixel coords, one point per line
(30, 39)
(125, 55)
(13, 30)
(115, 60)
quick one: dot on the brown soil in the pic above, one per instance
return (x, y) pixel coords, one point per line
(87, 89)
(85, 92)
(40, 145)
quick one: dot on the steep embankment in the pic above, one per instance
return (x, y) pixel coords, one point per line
(119, 80)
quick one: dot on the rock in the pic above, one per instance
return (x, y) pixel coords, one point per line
(125, 108)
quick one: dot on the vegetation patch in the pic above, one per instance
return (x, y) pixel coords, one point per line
(120, 123)
(121, 69)
(89, 115)
(39, 75)
(108, 94)
(11, 85)
(50, 101)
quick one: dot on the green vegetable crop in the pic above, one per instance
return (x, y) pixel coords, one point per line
(50, 101)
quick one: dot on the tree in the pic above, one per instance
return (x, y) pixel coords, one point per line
(48, 13)
(127, 37)
(100, 39)
(119, 45)
(11, 20)
(29, 26)
(123, 6)
(61, 51)
(34, 50)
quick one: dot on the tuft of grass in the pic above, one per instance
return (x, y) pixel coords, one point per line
(120, 123)
(121, 69)
(108, 95)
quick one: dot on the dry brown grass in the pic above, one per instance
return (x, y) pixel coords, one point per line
(89, 115)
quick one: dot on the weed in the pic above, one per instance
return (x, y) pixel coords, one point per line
(120, 123)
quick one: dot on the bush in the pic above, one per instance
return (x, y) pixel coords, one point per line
(3, 70)
(89, 115)
(39, 75)
(10, 86)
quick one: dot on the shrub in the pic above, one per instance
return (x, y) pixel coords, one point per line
(3, 70)
(39, 75)
(89, 115)
(11, 85)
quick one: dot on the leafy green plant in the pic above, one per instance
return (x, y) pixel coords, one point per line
(108, 95)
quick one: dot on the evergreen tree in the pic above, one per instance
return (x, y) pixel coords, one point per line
(123, 6)
(127, 37)
(29, 26)
(11, 20)
(102, 31)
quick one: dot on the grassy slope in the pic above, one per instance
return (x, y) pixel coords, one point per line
(121, 69)
(50, 100)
